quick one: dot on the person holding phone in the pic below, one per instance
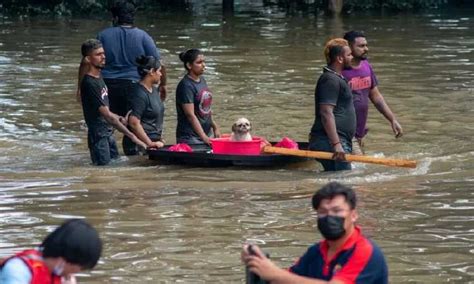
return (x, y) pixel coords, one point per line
(344, 256)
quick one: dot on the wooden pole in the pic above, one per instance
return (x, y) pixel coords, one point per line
(349, 157)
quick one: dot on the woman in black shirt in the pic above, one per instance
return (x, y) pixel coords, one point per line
(193, 102)
(146, 108)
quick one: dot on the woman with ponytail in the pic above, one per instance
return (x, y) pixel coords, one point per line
(146, 109)
(193, 102)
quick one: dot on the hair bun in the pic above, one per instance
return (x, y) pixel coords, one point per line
(141, 60)
(181, 56)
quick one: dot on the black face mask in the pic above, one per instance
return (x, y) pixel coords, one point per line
(331, 227)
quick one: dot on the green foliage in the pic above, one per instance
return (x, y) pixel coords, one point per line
(87, 7)
(56, 7)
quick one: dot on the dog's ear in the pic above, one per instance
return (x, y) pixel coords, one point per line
(250, 125)
(234, 127)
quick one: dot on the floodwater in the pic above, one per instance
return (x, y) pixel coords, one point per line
(163, 223)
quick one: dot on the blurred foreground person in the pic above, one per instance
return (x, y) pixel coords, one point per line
(73, 247)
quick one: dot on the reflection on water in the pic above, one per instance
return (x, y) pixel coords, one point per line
(187, 224)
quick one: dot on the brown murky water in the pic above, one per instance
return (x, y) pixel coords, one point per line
(186, 224)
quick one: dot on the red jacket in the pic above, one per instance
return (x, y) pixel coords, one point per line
(40, 273)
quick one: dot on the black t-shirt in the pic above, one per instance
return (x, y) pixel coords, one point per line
(334, 90)
(93, 96)
(190, 91)
(148, 108)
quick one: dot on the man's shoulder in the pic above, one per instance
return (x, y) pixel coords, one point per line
(107, 31)
(374, 259)
(115, 29)
(139, 32)
(88, 79)
(377, 251)
(368, 245)
(328, 80)
(363, 263)
(366, 62)
(368, 65)
(327, 76)
(91, 87)
(366, 240)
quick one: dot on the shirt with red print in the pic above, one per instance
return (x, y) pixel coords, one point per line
(359, 260)
(189, 91)
(94, 95)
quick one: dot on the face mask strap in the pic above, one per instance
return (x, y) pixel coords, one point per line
(59, 268)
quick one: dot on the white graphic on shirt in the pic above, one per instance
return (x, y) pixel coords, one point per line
(104, 93)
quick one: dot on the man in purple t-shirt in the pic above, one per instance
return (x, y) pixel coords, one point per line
(363, 83)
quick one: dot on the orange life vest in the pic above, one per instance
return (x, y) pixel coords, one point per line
(40, 273)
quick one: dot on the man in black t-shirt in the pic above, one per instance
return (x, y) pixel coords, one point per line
(95, 105)
(335, 122)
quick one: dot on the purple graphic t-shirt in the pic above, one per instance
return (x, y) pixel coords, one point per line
(361, 80)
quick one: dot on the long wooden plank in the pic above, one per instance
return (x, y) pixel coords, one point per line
(349, 157)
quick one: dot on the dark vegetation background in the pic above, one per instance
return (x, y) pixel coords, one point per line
(91, 7)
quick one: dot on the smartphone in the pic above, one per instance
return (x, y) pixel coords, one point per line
(250, 277)
(250, 250)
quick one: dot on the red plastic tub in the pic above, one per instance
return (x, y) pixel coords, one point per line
(225, 146)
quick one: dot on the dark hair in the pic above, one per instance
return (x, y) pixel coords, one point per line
(76, 241)
(189, 56)
(146, 63)
(352, 35)
(124, 10)
(331, 190)
(334, 48)
(90, 45)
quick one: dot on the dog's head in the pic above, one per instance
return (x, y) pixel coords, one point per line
(242, 126)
